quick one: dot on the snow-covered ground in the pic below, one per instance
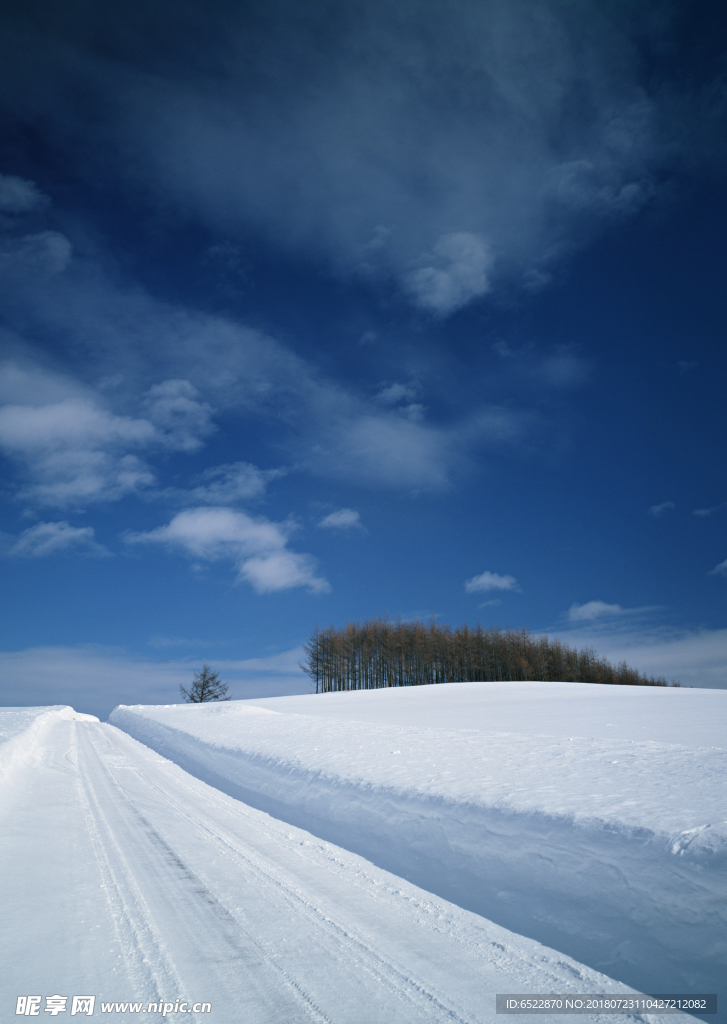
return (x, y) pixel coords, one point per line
(590, 818)
(125, 877)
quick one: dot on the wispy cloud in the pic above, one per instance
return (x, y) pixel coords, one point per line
(257, 547)
(73, 446)
(373, 447)
(403, 398)
(593, 610)
(396, 393)
(38, 256)
(606, 615)
(561, 369)
(695, 657)
(659, 510)
(176, 641)
(719, 570)
(343, 519)
(490, 581)
(17, 195)
(52, 538)
(423, 149)
(181, 420)
(139, 401)
(228, 484)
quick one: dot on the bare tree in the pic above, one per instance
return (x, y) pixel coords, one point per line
(206, 686)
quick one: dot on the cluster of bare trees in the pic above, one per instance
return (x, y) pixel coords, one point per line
(380, 652)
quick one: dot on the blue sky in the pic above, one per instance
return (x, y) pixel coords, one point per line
(313, 314)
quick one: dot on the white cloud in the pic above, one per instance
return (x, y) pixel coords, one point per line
(490, 581)
(51, 538)
(704, 512)
(657, 510)
(453, 274)
(593, 610)
(20, 196)
(282, 570)
(72, 450)
(719, 570)
(258, 547)
(68, 424)
(343, 519)
(214, 533)
(230, 483)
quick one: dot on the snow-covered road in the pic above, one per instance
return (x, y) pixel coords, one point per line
(126, 878)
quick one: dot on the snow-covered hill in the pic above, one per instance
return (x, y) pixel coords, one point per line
(590, 818)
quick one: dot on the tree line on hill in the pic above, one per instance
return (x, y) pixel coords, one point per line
(381, 653)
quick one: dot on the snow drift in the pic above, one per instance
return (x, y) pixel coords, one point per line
(23, 729)
(590, 818)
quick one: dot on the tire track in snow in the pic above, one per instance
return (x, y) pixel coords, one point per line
(139, 942)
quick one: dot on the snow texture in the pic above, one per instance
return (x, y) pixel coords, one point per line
(590, 818)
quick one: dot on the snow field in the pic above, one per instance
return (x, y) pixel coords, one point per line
(590, 818)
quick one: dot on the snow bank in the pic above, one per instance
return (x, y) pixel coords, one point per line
(590, 818)
(22, 729)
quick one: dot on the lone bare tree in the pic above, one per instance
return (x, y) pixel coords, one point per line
(206, 686)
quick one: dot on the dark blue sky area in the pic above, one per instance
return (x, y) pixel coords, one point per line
(309, 318)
